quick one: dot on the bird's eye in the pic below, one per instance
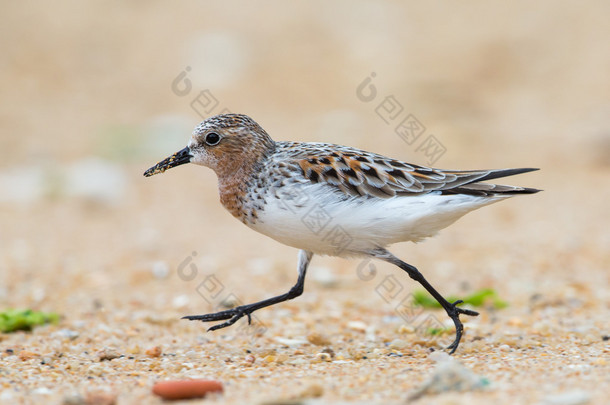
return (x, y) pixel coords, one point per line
(212, 138)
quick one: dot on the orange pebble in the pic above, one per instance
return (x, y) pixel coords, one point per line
(27, 355)
(185, 389)
(154, 351)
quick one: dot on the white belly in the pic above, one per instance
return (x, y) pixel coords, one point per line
(313, 217)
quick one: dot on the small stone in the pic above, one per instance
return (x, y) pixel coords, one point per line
(356, 354)
(230, 302)
(376, 353)
(180, 301)
(406, 329)
(318, 339)
(107, 354)
(73, 399)
(323, 357)
(27, 355)
(160, 270)
(193, 355)
(154, 351)
(439, 356)
(358, 326)
(290, 342)
(100, 398)
(96, 370)
(250, 359)
(186, 389)
(398, 344)
(329, 351)
(312, 391)
(135, 349)
(66, 334)
(504, 348)
(449, 375)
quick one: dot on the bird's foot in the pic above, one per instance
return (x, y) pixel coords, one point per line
(454, 313)
(232, 315)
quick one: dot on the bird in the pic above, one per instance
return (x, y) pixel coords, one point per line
(332, 200)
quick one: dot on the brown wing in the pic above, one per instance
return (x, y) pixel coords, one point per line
(364, 174)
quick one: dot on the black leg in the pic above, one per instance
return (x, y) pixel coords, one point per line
(245, 310)
(452, 309)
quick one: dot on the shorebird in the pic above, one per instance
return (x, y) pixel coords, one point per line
(332, 200)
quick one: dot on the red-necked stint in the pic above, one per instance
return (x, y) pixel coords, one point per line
(332, 200)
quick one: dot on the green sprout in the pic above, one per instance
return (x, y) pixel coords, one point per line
(437, 331)
(13, 320)
(476, 299)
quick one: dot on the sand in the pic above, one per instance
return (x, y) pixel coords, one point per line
(88, 106)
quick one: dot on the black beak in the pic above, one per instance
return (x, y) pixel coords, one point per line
(179, 158)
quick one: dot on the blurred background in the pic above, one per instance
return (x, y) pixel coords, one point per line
(94, 93)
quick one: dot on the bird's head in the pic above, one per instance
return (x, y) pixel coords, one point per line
(225, 143)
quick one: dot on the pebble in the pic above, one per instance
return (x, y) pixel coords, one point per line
(318, 339)
(311, 391)
(406, 329)
(329, 351)
(439, 356)
(290, 342)
(107, 354)
(154, 351)
(449, 375)
(160, 270)
(66, 334)
(27, 355)
(517, 322)
(358, 326)
(298, 361)
(398, 344)
(73, 399)
(186, 389)
(100, 398)
(180, 301)
(96, 370)
(323, 357)
(270, 358)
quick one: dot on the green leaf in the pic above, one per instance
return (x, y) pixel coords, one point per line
(476, 299)
(437, 331)
(13, 320)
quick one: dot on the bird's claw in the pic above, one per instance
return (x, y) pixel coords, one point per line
(454, 313)
(233, 315)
